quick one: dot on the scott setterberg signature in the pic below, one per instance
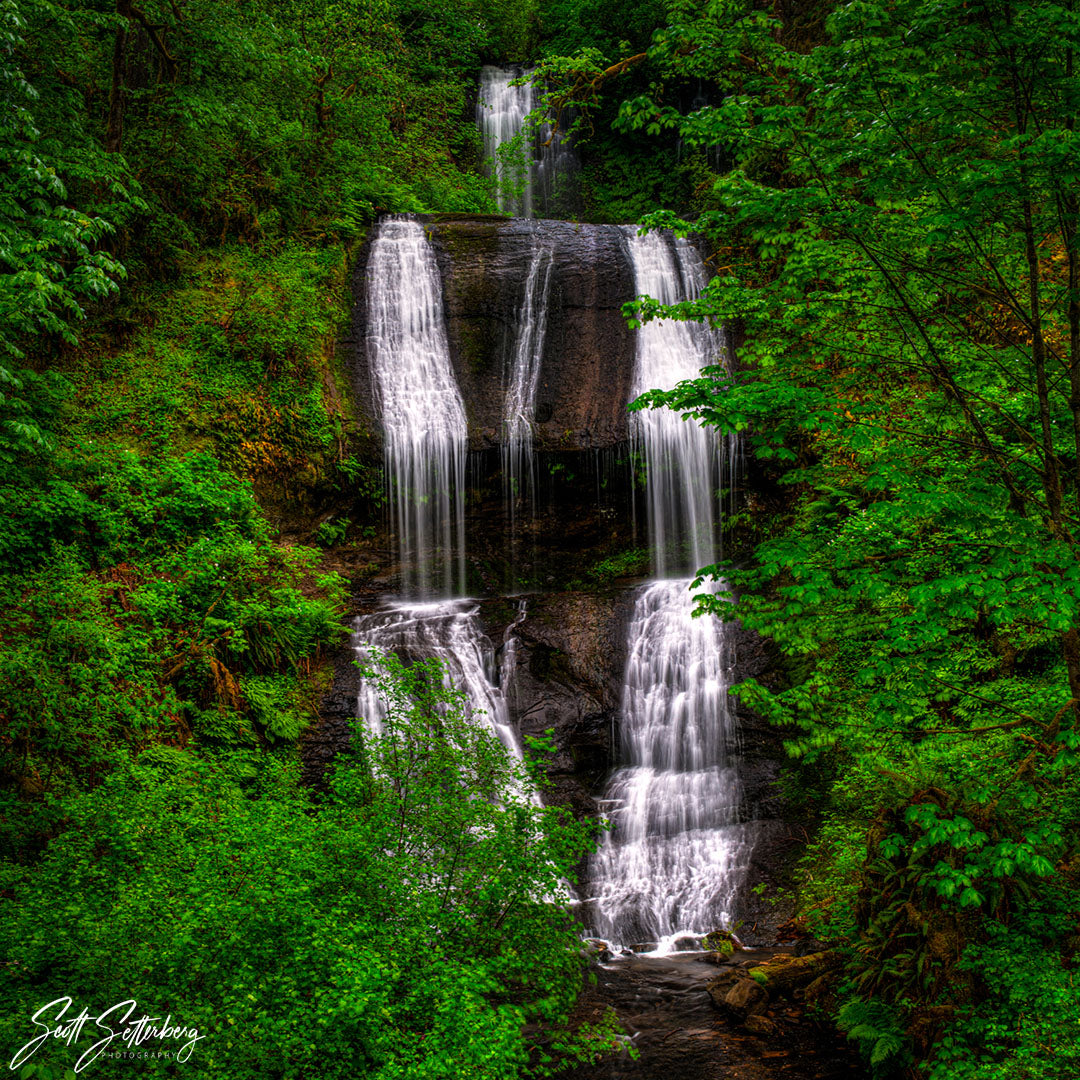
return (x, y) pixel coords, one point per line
(118, 1022)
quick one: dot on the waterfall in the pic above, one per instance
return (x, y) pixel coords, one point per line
(519, 410)
(422, 412)
(501, 113)
(669, 865)
(532, 173)
(448, 631)
(675, 855)
(424, 425)
(681, 457)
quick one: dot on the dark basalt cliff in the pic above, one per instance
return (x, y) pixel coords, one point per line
(588, 356)
(567, 679)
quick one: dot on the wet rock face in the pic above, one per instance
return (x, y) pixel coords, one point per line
(568, 680)
(337, 712)
(588, 354)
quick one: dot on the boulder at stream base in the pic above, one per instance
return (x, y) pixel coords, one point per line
(738, 995)
(721, 941)
(785, 973)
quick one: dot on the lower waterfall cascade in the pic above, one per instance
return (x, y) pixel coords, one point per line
(672, 863)
(448, 631)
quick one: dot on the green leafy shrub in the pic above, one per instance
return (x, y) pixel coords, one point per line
(407, 923)
(138, 596)
(1023, 1022)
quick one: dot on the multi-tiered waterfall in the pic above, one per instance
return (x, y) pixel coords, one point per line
(676, 854)
(674, 857)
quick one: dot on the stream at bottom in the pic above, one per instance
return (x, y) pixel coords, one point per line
(664, 1007)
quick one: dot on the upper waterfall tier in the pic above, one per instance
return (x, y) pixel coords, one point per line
(500, 113)
(532, 173)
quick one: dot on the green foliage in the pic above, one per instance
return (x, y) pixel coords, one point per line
(906, 268)
(405, 924)
(612, 28)
(625, 179)
(1026, 1026)
(330, 533)
(624, 564)
(50, 258)
(877, 1031)
(311, 118)
(143, 604)
(239, 356)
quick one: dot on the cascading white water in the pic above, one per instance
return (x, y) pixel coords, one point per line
(529, 178)
(675, 856)
(448, 631)
(501, 112)
(519, 409)
(681, 457)
(670, 865)
(425, 430)
(422, 412)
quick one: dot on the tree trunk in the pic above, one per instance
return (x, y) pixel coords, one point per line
(114, 132)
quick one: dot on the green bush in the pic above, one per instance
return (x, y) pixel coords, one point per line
(144, 603)
(408, 923)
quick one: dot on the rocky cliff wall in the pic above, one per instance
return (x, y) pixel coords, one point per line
(588, 357)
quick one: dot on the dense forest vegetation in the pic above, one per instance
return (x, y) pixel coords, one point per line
(891, 193)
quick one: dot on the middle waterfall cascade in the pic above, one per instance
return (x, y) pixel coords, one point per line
(422, 413)
(682, 458)
(675, 857)
(519, 410)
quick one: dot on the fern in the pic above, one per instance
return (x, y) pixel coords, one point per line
(877, 1032)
